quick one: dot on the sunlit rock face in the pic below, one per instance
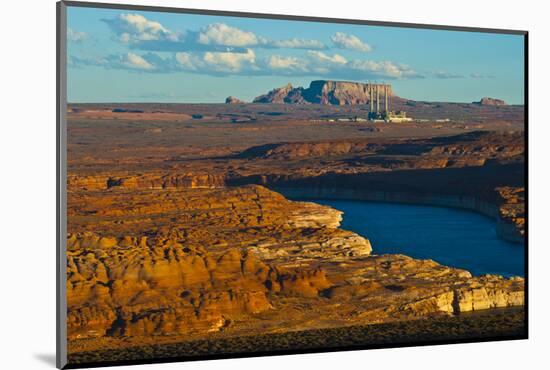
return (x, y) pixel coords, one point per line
(169, 241)
(324, 92)
(256, 254)
(491, 102)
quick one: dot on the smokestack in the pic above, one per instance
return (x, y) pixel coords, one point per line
(371, 96)
(386, 98)
(377, 98)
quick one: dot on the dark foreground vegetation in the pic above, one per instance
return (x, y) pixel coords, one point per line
(491, 324)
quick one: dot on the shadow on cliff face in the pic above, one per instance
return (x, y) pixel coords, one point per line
(492, 144)
(478, 181)
(256, 151)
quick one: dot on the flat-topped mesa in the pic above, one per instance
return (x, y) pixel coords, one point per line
(490, 101)
(325, 92)
(339, 92)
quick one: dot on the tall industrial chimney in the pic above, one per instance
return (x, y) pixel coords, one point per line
(371, 97)
(386, 98)
(377, 98)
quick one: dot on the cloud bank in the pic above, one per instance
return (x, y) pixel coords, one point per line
(144, 34)
(344, 41)
(313, 63)
(219, 49)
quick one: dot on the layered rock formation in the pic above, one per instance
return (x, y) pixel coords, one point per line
(187, 262)
(512, 213)
(470, 167)
(138, 277)
(150, 180)
(320, 92)
(278, 95)
(170, 242)
(480, 171)
(126, 287)
(490, 102)
(475, 146)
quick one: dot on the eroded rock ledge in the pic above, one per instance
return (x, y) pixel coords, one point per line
(479, 170)
(186, 262)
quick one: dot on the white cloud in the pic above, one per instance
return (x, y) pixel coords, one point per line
(324, 58)
(311, 63)
(188, 61)
(145, 34)
(230, 62)
(298, 44)
(278, 62)
(135, 61)
(76, 36)
(135, 28)
(345, 41)
(222, 34)
(379, 67)
(217, 62)
(146, 63)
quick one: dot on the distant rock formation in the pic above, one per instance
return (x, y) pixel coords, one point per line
(490, 101)
(278, 95)
(320, 92)
(233, 100)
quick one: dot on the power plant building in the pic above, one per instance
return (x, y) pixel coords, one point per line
(386, 114)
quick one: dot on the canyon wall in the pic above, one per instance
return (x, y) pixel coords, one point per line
(506, 229)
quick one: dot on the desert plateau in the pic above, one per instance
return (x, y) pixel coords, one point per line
(194, 229)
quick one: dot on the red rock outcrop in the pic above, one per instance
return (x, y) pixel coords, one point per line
(169, 241)
(511, 213)
(147, 181)
(129, 287)
(320, 92)
(186, 262)
(490, 101)
(276, 96)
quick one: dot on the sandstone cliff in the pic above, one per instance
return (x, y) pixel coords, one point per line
(151, 180)
(490, 102)
(320, 92)
(169, 242)
(511, 224)
(212, 266)
(278, 95)
(182, 263)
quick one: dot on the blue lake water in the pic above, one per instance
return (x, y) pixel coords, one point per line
(449, 236)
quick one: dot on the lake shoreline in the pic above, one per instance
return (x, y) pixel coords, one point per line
(506, 231)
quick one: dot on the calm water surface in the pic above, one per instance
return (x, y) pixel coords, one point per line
(449, 236)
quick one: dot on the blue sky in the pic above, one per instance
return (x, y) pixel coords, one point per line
(135, 56)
